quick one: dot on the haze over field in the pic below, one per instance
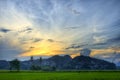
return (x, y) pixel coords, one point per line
(59, 27)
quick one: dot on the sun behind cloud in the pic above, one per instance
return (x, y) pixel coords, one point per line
(44, 48)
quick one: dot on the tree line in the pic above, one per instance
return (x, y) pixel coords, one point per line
(15, 65)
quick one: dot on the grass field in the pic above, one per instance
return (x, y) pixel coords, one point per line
(84, 75)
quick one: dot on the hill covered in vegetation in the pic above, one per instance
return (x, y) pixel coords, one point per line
(63, 63)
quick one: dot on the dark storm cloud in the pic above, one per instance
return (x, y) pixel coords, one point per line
(4, 30)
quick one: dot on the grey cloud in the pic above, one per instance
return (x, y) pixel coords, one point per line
(116, 39)
(75, 11)
(85, 52)
(7, 51)
(32, 47)
(112, 57)
(99, 44)
(36, 39)
(76, 46)
(4, 30)
(25, 40)
(73, 47)
(28, 30)
(92, 45)
(50, 40)
(71, 27)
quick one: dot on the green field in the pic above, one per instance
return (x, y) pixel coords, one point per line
(83, 75)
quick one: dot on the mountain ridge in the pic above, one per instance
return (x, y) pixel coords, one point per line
(65, 63)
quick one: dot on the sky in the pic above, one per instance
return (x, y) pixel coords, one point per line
(59, 27)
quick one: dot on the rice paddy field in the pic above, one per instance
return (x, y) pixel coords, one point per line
(60, 75)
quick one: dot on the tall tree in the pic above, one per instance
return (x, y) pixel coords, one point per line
(32, 67)
(31, 59)
(40, 60)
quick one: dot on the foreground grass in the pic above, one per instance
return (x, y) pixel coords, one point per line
(83, 75)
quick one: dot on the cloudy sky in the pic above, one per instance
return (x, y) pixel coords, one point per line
(51, 27)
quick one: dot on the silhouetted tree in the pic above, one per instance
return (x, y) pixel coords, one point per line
(15, 64)
(33, 66)
(40, 60)
(31, 59)
(31, 63)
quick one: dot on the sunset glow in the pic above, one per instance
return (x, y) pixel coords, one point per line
(59, 27)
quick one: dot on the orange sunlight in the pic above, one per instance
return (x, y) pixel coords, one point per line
(74, 55)
(44, 48)
(102, 51)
